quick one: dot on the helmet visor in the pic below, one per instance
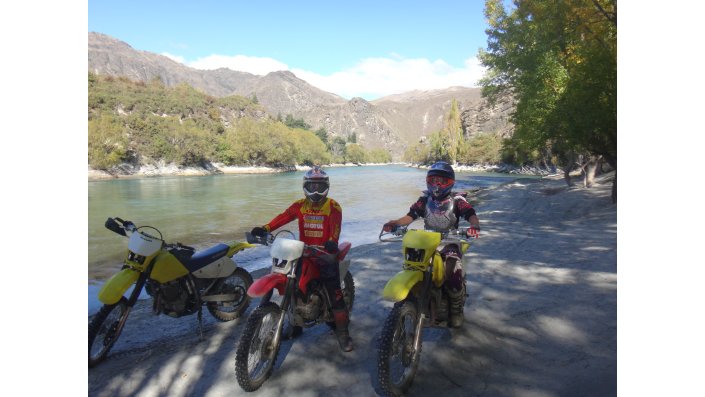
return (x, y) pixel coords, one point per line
(439, 181)
(316, 187)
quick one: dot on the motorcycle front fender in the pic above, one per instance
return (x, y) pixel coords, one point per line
(265, 284)
(398, 287)
(115, 287)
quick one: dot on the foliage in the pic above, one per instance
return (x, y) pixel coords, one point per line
(291, 122)
(418, 154)
(354, 153)
(379, 156)
(145, 122)
(558, 60)
(107, 142)
(322, 134)
(483, 148)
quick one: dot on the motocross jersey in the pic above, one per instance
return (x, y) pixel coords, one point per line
(316, 224)
(441, 215)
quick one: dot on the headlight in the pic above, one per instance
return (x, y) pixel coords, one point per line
(132, 257)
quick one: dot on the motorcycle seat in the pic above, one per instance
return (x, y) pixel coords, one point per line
(206, 257)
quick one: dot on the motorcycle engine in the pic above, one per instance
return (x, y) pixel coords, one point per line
(173, 298)
(310, 310)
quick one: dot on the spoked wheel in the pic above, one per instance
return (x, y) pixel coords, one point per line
(397, 358)
(257, 352)
(237, 284)
(104, 330)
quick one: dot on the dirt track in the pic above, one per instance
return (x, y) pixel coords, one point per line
(541, 318)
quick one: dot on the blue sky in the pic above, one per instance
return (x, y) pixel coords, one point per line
(362, 48)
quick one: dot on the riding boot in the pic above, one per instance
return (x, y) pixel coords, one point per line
(341, 329)
(457, 303)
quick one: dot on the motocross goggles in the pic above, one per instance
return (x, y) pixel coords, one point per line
(315, 187)
(439, 181)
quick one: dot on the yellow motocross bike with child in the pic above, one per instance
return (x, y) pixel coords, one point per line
(420, 301)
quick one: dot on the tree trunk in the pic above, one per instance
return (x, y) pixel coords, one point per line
(589, 170)
(566, 175)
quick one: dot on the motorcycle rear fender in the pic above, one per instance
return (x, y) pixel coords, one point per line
(398, 287)
(236, 247)
(265, 284)
(115, 287)
(343, 249)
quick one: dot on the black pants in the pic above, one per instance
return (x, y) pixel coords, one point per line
(330, 277)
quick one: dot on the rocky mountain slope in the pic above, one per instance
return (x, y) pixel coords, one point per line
(392, 122)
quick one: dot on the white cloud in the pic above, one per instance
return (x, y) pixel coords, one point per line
(173, 57)
(376, 77)
(371, 78)
(242, 63)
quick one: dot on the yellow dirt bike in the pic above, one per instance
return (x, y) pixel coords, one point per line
(421, 301)
(180, 281)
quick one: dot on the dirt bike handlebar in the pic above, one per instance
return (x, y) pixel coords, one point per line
(399, 231)
(268, 239)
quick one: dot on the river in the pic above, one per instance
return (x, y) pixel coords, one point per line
(201, 211)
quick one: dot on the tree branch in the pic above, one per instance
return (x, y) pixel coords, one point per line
(611, 16)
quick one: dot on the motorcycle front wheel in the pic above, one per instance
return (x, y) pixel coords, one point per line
(398, 360)
(237, 283)
(257, 352)
(104, 330)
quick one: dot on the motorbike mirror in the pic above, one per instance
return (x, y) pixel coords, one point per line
(113, 226)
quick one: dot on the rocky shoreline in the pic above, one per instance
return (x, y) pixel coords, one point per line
(164, 169)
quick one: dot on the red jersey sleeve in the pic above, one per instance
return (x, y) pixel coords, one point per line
(285, 217)
(335, 220)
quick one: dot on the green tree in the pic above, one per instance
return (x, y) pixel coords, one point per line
(309, 148)
(558, 60)
(354, 153)
(454, 129)
(379, 155)
(291, 122)
(337, 148)
(322, 134)
(107, 142)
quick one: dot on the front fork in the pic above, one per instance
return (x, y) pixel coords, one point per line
(422, 310)
(141, 280)
(286, 301)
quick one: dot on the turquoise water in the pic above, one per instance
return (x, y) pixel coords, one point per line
(204, 210)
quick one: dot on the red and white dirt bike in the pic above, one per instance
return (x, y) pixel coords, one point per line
(296, 277)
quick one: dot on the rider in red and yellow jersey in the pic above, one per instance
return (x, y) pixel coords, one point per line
(319, 219)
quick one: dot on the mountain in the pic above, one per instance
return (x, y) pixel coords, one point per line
(392, 122)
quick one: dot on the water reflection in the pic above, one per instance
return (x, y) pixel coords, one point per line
(204, 210)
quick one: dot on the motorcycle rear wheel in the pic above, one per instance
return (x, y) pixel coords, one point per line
(237, 284)
(256, 353)
(398, 361)
(104, 330)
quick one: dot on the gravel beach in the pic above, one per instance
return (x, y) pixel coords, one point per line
(540, 319)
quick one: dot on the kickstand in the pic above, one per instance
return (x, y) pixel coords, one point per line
(200, 324)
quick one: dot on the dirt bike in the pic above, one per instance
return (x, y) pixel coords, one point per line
(179, 280)
(304, 303)
(421, 301)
